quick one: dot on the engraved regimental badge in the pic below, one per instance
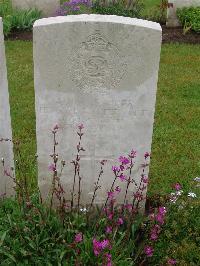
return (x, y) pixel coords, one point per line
(97, 64)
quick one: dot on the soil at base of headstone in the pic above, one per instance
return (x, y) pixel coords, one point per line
(20, 35)
(170, 35)
(176, 35)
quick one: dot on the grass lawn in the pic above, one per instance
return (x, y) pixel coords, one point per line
(176, 139)
(151, 3)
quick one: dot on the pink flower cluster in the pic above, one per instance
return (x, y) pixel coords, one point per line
(177, 186)
(124, 160)
(120, 221)
(144, 179)
(125, 163)
(108, 258)
(56, 127)
(158, 219)
(78, 238)
(171, 262)
(160, 216)
(52, 167)
(108, 230)
(80, 127)
(148, 250)
(99, 246)
(155, 232)
(113, 194)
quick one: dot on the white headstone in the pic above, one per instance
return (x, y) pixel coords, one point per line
(100, 71)
(6, 152)
(48, 7)
(172, 19)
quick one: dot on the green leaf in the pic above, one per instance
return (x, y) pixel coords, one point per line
(8, 255)
(62, 254)
(2, 238)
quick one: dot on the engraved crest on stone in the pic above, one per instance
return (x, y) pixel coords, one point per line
(97, 63)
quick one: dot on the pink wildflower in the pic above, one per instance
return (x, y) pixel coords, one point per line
(56, 127)
(108, 259)
(118, 189)
(129, 207)
(81, 126)
(171, 262)
(151, 216)
(109, 229)
(144, 179)
(146, 155)
(115, 169)
(121, 167)
(148, 250)
(96, 252)
(154, 236)
(177, 186)
(162, 210)
(78, 238)
(122, 177)
(133, 154)
(156, 229)
(104, 243)
(124, 160)
(52, 167)
(96, 247)
(108, 256)
(159, 218)
(111, 194)
(110, 216)
(138, 196)
(120, 221)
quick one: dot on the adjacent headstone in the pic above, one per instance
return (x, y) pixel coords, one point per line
(48, 7)
(100, 71)
(6, 152)
(172, 19)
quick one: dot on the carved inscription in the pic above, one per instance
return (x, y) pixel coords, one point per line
(97, 63)
(110, 112)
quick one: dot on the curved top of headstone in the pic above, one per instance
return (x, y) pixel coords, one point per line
(98, 18)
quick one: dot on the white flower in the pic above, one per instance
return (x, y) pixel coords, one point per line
(174, 196)
(178, 193)
(173, 199)
(197, 179)
(83, 209)
(192, 195)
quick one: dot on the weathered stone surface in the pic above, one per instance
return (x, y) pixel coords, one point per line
(172, 19)
(6, 152)
(100, 71)
(48, 7)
